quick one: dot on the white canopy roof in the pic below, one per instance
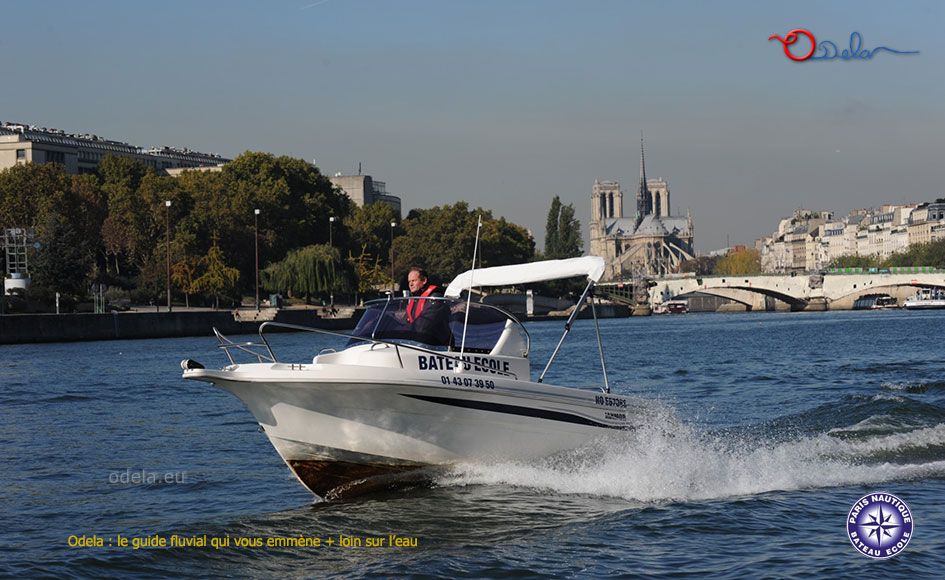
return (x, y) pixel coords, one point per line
(590, 266)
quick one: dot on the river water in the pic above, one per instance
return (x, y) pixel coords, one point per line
(771, 426)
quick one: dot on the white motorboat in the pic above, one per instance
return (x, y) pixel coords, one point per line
(884, 303)
(400, 398)
(926, 299)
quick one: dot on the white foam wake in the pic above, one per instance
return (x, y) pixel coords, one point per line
(659, 466)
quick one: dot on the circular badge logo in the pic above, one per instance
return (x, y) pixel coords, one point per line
(879, 525)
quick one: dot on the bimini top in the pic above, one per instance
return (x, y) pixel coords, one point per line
(590, 266)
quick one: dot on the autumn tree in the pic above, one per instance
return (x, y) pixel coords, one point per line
(369, 271)
(184, 276)
(736, 263)
(218, 279)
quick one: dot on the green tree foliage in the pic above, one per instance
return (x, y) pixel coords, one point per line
(120, 218)
(369, 227)
(125, 231)
(87, 209)
(294, 198)
(929, 254)
(308, 271)
(736, 263)
(62, 263)
(854, 261)
(29, 193)
(441, 240)
(562, 232)
(295, 201)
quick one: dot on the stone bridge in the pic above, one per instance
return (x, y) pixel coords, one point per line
(799, 292)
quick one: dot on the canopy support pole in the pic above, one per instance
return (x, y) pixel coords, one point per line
(600, 346)
(462, 348)
(567, 327)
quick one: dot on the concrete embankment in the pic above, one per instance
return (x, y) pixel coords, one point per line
(26, 328)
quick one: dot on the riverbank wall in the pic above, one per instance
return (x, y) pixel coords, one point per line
(32, 328)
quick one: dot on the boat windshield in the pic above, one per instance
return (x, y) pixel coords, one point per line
(433, 322)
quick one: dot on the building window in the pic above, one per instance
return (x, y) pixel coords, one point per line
(20, 154)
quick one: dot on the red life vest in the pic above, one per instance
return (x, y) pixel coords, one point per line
(415, 307)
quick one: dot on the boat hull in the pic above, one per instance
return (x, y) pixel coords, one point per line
(924, 304)
(332, 479)
(344, 435)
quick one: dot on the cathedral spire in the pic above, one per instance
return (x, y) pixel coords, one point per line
(644, 197)
(642, 164)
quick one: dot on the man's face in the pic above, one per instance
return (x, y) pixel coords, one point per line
(415, 282)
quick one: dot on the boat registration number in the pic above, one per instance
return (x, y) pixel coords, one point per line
(610, 401)
(467, 382)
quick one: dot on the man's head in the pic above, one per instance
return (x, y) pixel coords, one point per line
(416, 280)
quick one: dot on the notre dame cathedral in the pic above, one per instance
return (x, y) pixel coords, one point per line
(651, 242)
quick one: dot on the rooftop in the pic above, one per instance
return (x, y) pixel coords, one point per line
(58, 136)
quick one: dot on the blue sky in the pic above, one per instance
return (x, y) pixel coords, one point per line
(506, 104)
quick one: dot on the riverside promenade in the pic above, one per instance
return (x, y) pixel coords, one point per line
(148, 323)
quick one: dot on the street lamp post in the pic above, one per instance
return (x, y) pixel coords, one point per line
(256, 228)
(167, 222)
(331, 243)
(393, 224)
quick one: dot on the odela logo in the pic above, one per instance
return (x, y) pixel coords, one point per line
(806, 46)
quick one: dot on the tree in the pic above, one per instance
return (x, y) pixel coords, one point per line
(440, 239)
(854, 261)
(736, 263)
(927, 254)
(218, 278)
(369, 227)
(87, 208)
(306, 272)
(562, 232)
(125, 231)
(183, 274)
(62, 262)
(370, 272)
(30, 192)
(295, 202)
(62, 211)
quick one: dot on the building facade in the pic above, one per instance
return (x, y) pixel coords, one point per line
(883, 232)
(81, 153)
(363, 190)
(651, 242)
